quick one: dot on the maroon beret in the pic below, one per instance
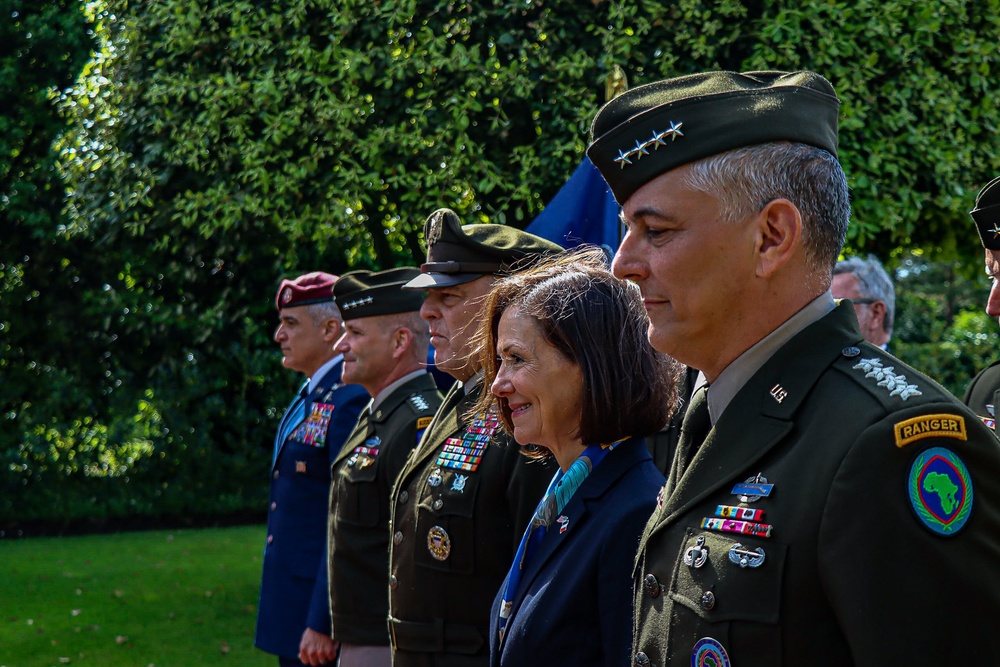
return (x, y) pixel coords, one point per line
(315, 287)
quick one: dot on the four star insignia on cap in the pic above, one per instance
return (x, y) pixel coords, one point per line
(358, 302)
(995, 231)
(642, 147)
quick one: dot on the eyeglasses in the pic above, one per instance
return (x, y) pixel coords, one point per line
(863, 302)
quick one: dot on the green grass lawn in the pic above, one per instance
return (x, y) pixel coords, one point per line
(174, 598)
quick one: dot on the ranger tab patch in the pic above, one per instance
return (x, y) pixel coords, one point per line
(930, 426)
(424, 422)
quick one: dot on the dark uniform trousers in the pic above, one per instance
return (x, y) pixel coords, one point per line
(459, 511)
(983, 394)
(855, 571)
(294, 592)
(363, 475)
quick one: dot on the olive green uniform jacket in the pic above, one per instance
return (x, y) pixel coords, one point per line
(455, 532)
(983, 394)
(363, 475)
(852, 573)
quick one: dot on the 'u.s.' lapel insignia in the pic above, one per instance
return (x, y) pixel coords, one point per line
(940, 491)
(563, 522)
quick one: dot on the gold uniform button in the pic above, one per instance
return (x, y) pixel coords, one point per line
(641, 659)
(393, 582)
(397, 538)
(438, 504)
(708, 600)
(403, 497)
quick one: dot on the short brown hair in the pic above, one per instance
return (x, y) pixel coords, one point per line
(598, 322)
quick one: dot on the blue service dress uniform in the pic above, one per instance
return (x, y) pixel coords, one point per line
(294, 593)
(573, 605)
(459, 508)
(843, 510)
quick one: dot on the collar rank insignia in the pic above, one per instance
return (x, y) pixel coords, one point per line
(884, 377)
(419, 403)
(642, 147)
(940, 491)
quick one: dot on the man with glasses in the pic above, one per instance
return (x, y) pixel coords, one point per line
(870, 289)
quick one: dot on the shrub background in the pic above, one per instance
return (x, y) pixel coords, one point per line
(166, 162)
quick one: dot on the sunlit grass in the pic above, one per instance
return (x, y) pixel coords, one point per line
(180, 598)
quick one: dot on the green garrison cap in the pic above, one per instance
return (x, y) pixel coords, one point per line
(652, 129)
(987, 214)
(367, 293)
(458, 253)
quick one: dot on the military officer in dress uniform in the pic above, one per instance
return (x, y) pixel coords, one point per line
(385, 345)
(827, 504)
(983, 394)
(293, 617)
(466, 493)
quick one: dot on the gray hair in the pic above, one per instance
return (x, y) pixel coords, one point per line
(744, 180)
(321, 312)
(417, 326)
(873, 283)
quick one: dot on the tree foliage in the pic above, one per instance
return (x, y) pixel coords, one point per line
(215, 146)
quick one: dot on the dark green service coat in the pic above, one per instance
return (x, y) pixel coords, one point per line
(363, 475)
(862, 566)
(455, 532)
(983, 394)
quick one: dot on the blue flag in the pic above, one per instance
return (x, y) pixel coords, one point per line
(583, 211)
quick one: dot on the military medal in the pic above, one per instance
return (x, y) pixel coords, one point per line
(466, 453)
(732, 512)
(741, 527)
(753, 489)
(743, 557)
(697, 555)
(313, 430)
(438, 543)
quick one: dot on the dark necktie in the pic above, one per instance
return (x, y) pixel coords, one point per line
(695, 427)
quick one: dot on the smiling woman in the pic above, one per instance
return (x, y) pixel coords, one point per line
(571, 370)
